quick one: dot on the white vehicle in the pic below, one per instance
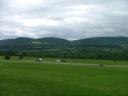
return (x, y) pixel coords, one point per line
(58, 60)
(39, 60)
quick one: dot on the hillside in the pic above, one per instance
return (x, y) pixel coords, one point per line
(51, 40)
(98, 47)
(102, 41)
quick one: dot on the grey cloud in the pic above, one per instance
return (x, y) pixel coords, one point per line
(70, 19)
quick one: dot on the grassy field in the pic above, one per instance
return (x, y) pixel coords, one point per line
(33, 79)
(91, 61)
(76, 61)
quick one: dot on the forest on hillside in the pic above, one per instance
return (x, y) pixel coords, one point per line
(115, 48)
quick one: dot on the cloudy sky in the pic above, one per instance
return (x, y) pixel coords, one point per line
(69, 19)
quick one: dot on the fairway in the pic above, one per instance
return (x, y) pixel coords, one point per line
(32, 79)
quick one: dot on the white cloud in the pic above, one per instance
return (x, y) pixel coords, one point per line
(70, 19)
(40, 22)
(120, 13)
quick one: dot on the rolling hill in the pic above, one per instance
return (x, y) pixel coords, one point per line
(103, 41)
(96, 41)
(97, 47)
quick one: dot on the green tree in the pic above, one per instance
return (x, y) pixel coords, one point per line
(7, 57)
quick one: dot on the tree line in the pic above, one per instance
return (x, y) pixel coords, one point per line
(75, 52)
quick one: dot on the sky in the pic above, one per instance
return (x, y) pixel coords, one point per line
(68, 19)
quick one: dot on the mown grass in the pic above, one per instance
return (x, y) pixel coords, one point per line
(91, 61)
(33, 79)
(70, 60)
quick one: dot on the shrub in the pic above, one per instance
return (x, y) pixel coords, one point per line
(21, 57)
(7, 57)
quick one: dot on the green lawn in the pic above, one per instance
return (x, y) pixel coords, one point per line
(76, 61)
(91, 61)
(32, 79)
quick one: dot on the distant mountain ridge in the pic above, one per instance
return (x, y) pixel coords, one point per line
(103, 41)
(96, 48)
(52, 40)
